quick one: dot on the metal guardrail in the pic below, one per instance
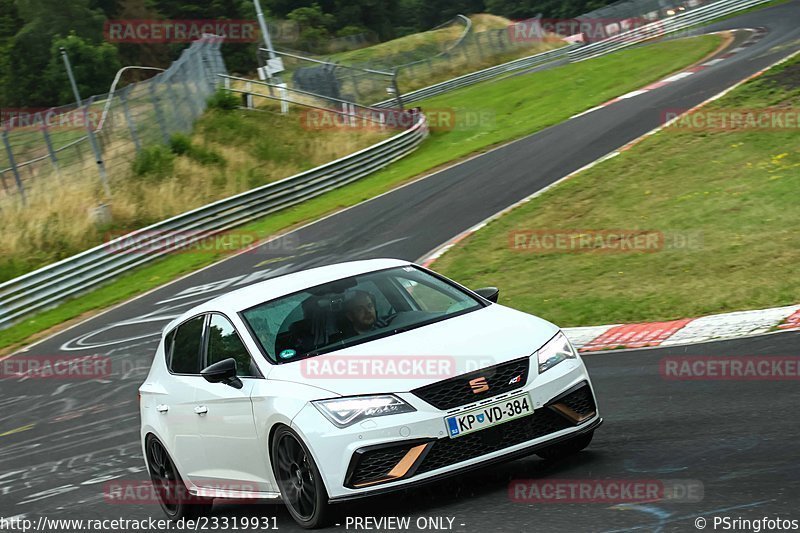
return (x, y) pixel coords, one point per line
(682, 21)
(45, 287)
(576, 52)
(54, 283)
(481, 75)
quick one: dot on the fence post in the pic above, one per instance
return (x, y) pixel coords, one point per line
(50, 151)
(14, 169)
(159, 116)
(397, 94)
(98, 155)
(123, 98)
(500, 40)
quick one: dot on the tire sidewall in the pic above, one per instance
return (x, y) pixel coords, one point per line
(184, 509)
(321, 509)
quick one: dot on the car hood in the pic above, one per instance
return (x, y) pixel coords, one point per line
(425, 355)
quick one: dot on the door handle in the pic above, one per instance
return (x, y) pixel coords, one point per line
(201, 409)
(163, 408)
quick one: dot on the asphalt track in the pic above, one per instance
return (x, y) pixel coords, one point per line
(60, 441)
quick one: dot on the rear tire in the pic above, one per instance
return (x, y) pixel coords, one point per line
(563, 449)
(175, 500)
(299, 480)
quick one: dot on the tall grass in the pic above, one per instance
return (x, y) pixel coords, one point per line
(229, 152)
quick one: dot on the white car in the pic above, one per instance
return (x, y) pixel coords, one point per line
(349, 380)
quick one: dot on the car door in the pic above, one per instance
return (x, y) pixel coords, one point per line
(176, 409)
(235, 457)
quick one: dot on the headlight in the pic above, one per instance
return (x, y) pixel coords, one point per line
(343, 412)
(556, 350)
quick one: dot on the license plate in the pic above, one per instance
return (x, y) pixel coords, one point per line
(488, 415)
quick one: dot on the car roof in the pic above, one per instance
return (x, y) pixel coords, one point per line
(251, 295)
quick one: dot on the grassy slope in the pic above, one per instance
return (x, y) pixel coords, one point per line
(423, 44)
(252, 149)
(737, 190)
(522, 105)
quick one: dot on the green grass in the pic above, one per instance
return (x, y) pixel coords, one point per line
(231, 151)
(735, 192)
(417, 45)
(518, 106)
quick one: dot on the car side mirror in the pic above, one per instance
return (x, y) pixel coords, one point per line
(490, 293)
(223, 372)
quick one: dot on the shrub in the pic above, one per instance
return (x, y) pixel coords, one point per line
(224, 100)
(180, 144)
(154, 162)
(206, 156)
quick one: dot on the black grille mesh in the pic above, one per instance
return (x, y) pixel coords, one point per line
(375, 464)
(457, 391)
(448, 451)
(580, 401)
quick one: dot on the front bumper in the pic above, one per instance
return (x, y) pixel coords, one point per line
(395, 452)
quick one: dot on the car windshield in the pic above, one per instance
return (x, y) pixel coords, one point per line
(354, 310)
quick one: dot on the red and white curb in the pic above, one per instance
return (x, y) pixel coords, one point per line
(685, 331)
(757, 34)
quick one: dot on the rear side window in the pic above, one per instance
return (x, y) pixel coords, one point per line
(188, 338)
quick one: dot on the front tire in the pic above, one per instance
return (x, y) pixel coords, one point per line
(563, 449)
(175, 500)
(299, 480)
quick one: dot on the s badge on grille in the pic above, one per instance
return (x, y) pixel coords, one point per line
(479, 385)
(515, 380)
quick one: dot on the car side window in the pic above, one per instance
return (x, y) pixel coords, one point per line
(224, 342)
(185, 353)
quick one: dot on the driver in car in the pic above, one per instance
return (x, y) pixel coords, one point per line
(361, 314)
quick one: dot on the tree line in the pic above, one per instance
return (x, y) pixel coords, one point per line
(32, 73)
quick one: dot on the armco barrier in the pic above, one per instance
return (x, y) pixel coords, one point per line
(52, 284)
(663, 27)
(55, 283)
(481, 75)
(576, 52)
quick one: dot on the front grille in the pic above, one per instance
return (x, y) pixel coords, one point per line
(376, 464)
(448, 451)
(457, 391)
(580, 401)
